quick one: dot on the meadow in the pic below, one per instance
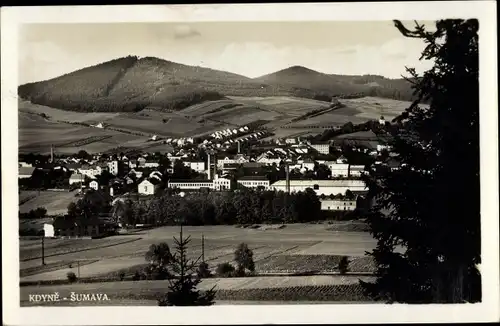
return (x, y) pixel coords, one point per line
(55, 202)
(296, 248)
(69, 131)
(286, 260)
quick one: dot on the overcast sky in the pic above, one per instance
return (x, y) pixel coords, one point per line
(250, 49)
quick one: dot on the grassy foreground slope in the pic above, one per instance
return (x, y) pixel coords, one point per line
(132, 83)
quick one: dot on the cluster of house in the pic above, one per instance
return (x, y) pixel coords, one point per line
(179, 141)
(225, 133)
(95, 168)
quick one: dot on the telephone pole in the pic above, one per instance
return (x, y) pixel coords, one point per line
(203, 248)
(43, 248)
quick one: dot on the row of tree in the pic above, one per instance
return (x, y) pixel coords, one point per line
(224, 208)
(349, 128)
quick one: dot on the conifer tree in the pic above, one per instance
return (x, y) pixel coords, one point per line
(182, 287)
(426, 216)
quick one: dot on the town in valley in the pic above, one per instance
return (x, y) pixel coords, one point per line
(146, 181)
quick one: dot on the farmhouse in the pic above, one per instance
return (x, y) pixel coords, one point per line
(148, 187)
(338, 204)
(76, 178)
(322, 187)
(253, 182)
(26, 172)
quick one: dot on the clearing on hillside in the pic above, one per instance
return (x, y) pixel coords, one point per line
(56, 202)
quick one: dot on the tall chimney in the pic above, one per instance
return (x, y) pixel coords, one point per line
(239, 148)
(287, 178)
(215, 166)
(209, 169)
(51, 153)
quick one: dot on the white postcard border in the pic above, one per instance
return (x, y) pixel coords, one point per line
(11, 18)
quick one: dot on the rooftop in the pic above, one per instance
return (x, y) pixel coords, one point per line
(190, 181)
(254, 177)
(322, 183)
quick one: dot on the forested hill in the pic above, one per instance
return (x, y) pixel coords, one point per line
(132, 83)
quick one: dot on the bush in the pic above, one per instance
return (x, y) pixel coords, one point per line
(71, 277)
(225, 270)
(343, 265)
(137, 276)
(243, 256)
(160, 274)
(122, 276)
(203, 271)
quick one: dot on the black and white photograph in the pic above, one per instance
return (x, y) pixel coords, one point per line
(237, 156)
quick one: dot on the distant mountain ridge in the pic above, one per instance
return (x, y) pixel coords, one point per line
(132, 83)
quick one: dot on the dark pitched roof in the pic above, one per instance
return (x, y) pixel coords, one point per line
(231, 165)
(253, 177)
(253, 165)
(74, 165)
(154, 181)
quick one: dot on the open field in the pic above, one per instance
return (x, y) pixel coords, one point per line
(371, 108)
(56, 202)
(288, 105)
(131, 130)
(127, 251)
(37, 134)
(62, 115)
(242, 115)
(252, 290)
